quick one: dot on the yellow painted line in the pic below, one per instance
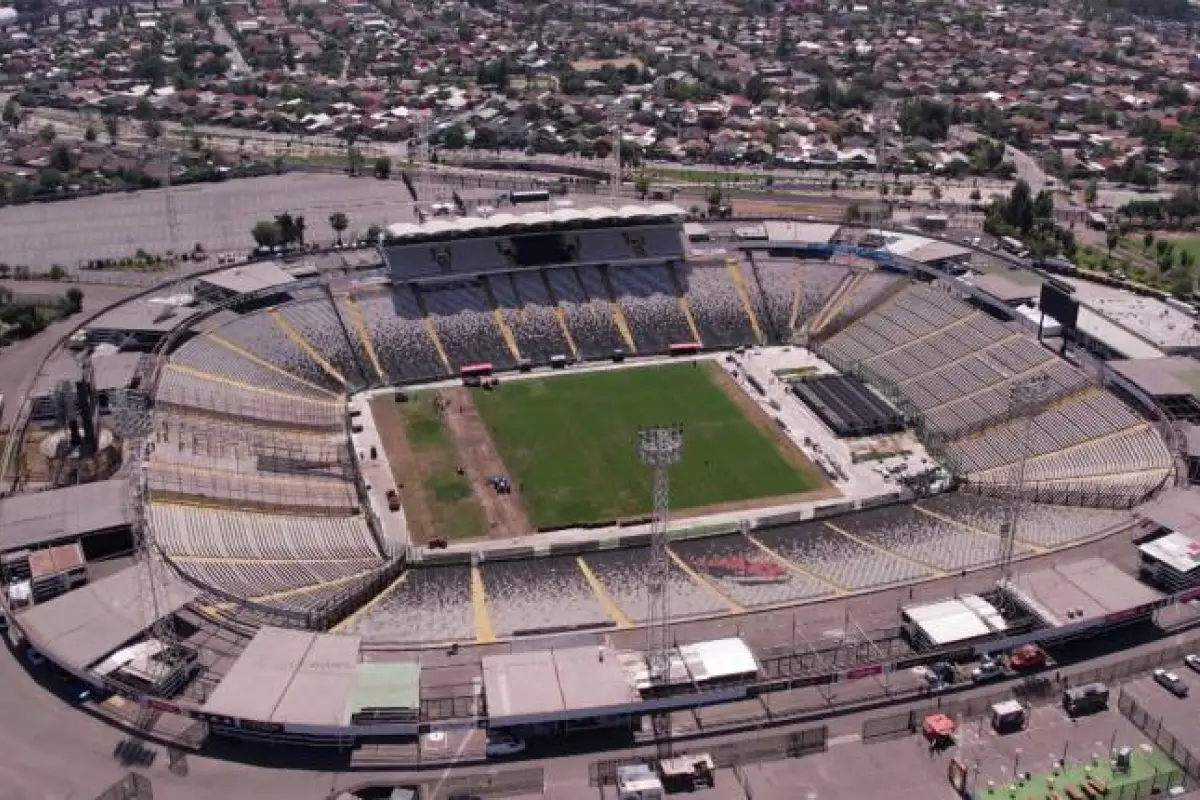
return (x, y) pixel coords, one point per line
(304, 344)
(484, 632)
(840, 298)
(935, 332)
(606, 602)
(798, 568)
(739, 286)
(1037, 549)
(431, 330)
(686, 308)
(705, 584)
(354, 311)
(998, 343)
(246, 354)
(937, 572)
(370, 604)
(614, 311)
(299, 398)
(561, 316)
(797, 292)
(506, 334)
(286, 593)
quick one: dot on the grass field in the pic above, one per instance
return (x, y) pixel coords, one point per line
(569, 443)
(437, 501)
(1146, 769)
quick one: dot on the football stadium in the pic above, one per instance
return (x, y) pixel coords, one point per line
(268, 501)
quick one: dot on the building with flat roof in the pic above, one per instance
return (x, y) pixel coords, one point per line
(1081, 591)
(61, 515)
(243, 280)
(1172, 381)
(141, 322)
(952, 621)
(1171, 561)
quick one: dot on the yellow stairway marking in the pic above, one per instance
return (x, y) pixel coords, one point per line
(705, 584)
(561, 316)
(359, 322)
(797, 294)
(484, 632)
(739, 286)
(506, 333)
(370, 604)
(284, 594)
(199, 373)
(836, 303)
(946, 365)
(304, 344)
(244, 353)
(936, 571)
(606, 602)
(431, 329)
(930, 335)
(799, 569)
(1037, 549)
(686, 308)
(614, 311)
(1130, 431)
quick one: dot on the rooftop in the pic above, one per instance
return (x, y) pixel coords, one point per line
(1149, 318)
(68, 513)
(1065, 594)
(572, 682)
(144, 314)
(1170, 376)
(386, 685)
(1176, 509)
(249, 278)
(441, 226)
(1179, 552)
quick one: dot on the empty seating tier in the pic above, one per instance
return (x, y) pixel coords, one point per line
(525, 302)
(399, 337)
(466, 325)
(717, 309)
(647, 297)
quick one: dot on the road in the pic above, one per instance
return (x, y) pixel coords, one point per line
(221, 35)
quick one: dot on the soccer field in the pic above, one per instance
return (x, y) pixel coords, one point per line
(569, 443)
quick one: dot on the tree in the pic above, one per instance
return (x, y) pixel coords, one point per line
(12, 114)
(1112, 239)
(936, 193)
(756, 89)
(90, 134)
(852, 213)
(1181, 281)
(454, 138)
(383, 168)
(354, 161)
(339, 222)
(928, 119)
(715, 196)
(298, 227)
(266, 233)
(152, 129)
(60, 158)
(976, 196)
(374, 232)
(112, 126)
(1148, 240)
(641, 184)
(1090, 191)
(47, 133)
(57, 273)
(286, 225)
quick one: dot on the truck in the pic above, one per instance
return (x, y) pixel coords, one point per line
(1027, 657)
(638, 782)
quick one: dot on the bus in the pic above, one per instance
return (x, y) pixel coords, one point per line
(530, 196)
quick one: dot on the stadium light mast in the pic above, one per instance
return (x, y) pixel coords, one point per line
(659, 448)
(1024, 396)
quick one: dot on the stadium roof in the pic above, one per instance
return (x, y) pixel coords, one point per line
(1168, 376)
(85, 625)
(249, 278)
(782, 231)
(932, 250)
(290, 677)
(1152, 320)
(1179, 552)
(956, 620)
(145, 315)
(1063, 594)
(39, 517)
(562, 216)
(1005, 289)
(1112, 335)
(568, 683)
(389, 685)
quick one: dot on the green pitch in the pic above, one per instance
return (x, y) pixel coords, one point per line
(569, 442)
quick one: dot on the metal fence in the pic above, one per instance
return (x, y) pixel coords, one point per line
(752, 751)
(133, 786)
(1153, 728)
(504, 783)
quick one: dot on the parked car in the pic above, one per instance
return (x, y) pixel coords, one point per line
(393, 500)
(502, 743)
(1171, 682)
(989, 669)
(1192, 661)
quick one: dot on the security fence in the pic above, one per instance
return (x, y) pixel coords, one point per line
(1153, 728)
(753, 751)
(504, 783)
(133, 786)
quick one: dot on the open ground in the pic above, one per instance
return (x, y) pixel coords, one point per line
(569, 441)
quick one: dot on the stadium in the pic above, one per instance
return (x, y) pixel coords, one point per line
(314, 479)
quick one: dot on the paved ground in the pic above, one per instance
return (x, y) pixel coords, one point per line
(1176, 715)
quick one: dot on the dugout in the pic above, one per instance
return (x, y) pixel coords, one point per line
(848, 406)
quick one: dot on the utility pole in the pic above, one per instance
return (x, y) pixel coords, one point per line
(1024, 397)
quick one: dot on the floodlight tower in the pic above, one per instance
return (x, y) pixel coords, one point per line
(614, 117)
(1024, 397)
(659, 448)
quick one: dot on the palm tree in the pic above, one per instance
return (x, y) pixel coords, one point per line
(339, 222)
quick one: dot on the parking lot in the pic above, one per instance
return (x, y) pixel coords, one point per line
(1178, 716)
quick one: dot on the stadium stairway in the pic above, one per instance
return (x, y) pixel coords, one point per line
(614, 309)
(244, 353)
(996, 344)
(485, 632)
(739, 286)
(614, 611)
(304, 344)
(926, 336)
(684, 306)
(359, 323)
(935, 571)
(559, 314)
(510, 340)
(431, 332)
(833, 306)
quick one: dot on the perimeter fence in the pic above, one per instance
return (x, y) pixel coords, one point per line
(1153, 727)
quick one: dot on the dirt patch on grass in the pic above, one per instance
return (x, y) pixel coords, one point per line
(438, 503)
(477, 453)
(834, 210)
(786, 447)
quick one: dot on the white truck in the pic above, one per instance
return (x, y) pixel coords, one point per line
(638, 782)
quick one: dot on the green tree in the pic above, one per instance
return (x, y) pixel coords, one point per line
(1090, 191)
(47, 133)
(454, 138)
(1112, 238)
(57, 273)
(90, 134)
(339, 222)
(12, 114)
(373, 233)
(714, 197)
(354, 161)
(266, 233)
(112, 126)
(60, 158)
(1181, 281)
(1148, 239)
(853, 213)
(152, 129)
(383, 168)
(641, 185)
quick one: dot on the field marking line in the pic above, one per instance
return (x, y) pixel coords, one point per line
(796, 568)
(305, 345)
(606, 602)
(1036, 548)
(947, 364)
(246, 354)
(484, 632)
(937, 571)
(359, 323)
(362, 610)
(704, 583)
(234, 382)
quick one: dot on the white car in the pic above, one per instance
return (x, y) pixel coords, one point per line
(503, 743)
(1192, 661)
